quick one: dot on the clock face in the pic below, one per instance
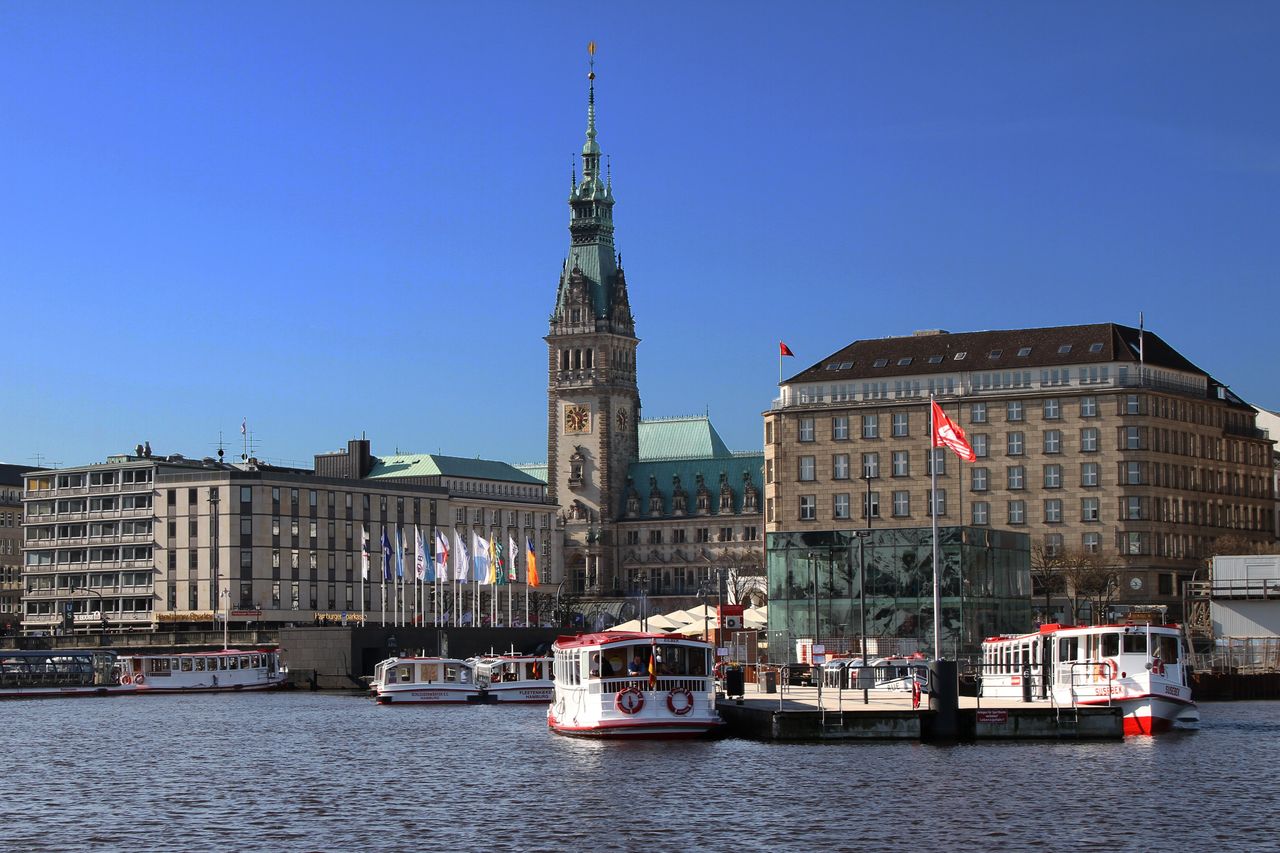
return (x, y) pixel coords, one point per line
(621, 419)
(577, 418)
(1136, 583)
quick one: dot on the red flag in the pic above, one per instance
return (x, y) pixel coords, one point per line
(783, 349)
(948, 434)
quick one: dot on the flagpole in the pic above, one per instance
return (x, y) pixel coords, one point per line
(933, 511)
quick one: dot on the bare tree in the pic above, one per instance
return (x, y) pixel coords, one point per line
(1234, 544)
(744, 574)
(1090, 578)
(1046, 566)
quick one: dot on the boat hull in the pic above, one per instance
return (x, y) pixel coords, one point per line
(639, 729)
(426, 696)
(65, 692)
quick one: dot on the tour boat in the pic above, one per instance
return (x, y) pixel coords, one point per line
(227, 670)
(1138, 667)
(514, 678)
(33, 674)
(621, 684)
(424, 680)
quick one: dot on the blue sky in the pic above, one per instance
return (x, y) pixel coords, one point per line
(336, 218)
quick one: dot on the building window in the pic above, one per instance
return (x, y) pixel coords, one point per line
(1017, 512)
(873, 500)
(808, 469)
(246, 494)
(1132, 405)
(980, 445)
(1017, 477)
(1052, 409)
(938, 502)
(1088, 473)
(870, 426)
(1089, 440)
(655, 537)
(977, 413)
(1133, 508)
(870, 465)
(1014, 411)
(901, 463)
(1091, 542)
(1089, 509)
(1132, 438)
(806, 429)
(1053, 544)
(1053, 441)
(1133, 473)
(901, 504)
(981, 512)
(1016, 443)
(840, 428)
(1053, 511)
(1088, 407)
(1164, 584)
(1053, 476)
(808, 507)
(901, 424)
(936, 460)
(840, 508)
(840, 466)
(978, 479)
(678, 536)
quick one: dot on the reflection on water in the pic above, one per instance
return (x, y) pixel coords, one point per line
(304, 771)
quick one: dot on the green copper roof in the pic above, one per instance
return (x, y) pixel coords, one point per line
(435, 465)
(537, 470)
(680, 438)
(661, 473)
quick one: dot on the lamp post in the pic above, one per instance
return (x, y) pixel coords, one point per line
(862, 570)
(813, 574)
(643, 580)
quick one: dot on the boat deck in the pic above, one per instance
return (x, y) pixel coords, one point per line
(797, 713)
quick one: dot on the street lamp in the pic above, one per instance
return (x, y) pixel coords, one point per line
(862, 569)
(643, 580)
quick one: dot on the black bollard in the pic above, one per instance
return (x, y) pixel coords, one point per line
(1026, 683)
(944, 699)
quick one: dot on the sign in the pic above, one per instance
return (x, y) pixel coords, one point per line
(251, 614)
(993, 717)
(817, 658)
(819, 649)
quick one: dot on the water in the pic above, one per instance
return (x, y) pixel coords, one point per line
(306, 771)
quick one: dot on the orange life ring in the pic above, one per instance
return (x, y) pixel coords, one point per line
(685, 707)
(1108, 670)
(629, 700)
(138, 679)
(1157, 666)
(125, 679)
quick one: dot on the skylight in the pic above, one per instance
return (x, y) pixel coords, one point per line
(960, 355)
(935, 359)
(881, 362)
(995, 353)
(1064, 349)
(903, 362)
(1095, 347)
(1024, 352)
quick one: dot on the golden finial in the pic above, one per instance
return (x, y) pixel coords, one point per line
(591, 52)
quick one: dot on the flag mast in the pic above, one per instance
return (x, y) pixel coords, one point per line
(933, 512)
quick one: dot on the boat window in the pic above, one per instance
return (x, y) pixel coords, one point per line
(186, 664)
(199, 664)
(1110, 645)
(1168, 648)
(234, 663)
(1135, 643)
(255, 661)
(404, 673)
(244, 661)
(1069, 648)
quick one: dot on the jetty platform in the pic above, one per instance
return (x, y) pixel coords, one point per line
(797, 714)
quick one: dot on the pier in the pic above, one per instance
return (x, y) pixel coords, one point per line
(796, 714)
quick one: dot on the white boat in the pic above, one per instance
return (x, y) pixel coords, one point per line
(514, 678)
(899, 672)
(228, 670)
(424, 680)
(35, 674)
(1138, 667)
(633, 685)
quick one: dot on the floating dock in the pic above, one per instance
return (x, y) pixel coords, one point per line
(798, 714)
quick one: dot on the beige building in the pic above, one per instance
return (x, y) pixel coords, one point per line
(1095, 438)
(11, 546)
(139, 541)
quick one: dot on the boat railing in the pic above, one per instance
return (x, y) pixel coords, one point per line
(610, 686)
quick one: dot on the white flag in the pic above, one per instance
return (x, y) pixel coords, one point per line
(419, 554)
(364, 553)
(462, 558)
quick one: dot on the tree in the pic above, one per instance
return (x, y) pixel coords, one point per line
(1090, 578)
(743, 572)
(1046, 575)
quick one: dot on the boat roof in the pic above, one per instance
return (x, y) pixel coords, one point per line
(1055, 628)
(618, 638)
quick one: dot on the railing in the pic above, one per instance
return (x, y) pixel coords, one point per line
(693, 684)
(1240, 588)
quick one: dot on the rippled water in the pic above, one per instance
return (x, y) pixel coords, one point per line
(306, 771)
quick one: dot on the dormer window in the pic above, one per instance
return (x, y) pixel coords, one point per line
(575, 315)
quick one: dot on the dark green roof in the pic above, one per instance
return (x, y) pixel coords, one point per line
(680, 438)
(664, 471)
(436, 465)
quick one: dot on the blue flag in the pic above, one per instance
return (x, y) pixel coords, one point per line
(400, 553)
(386, 556)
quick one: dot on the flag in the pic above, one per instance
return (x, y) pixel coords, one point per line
(386, 556)
(948, 434)
(244, 426)
(514, 553)
(530, 563)
(653, 666)
(783, 349)
(462, 561)
(420, 563)
(364, 553)
(480, 547)
(442, 556)
(400, 553)
(499, 572)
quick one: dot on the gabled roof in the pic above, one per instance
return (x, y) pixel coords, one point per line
(537, 470)
(436, 465)
(928, 353)
(680, 438)
(664, 471)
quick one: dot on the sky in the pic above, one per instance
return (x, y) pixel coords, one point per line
(334, 219)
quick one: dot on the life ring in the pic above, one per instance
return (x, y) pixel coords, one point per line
(125, 679)
(138, 679)
(915, 693)
(1157, 666)
(1107, 670)
(686, 703)
(629, 701)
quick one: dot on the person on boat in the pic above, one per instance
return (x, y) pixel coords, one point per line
(635, 667)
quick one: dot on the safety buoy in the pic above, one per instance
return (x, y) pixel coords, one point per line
(1109, 669)
(684, 706)
(629, 701)
(915, 693)
(1157, 666)
(138, 679)
(124, 679)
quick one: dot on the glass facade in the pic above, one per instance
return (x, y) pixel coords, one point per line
(815, 577)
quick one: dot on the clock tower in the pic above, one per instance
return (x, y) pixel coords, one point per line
(593, 404)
